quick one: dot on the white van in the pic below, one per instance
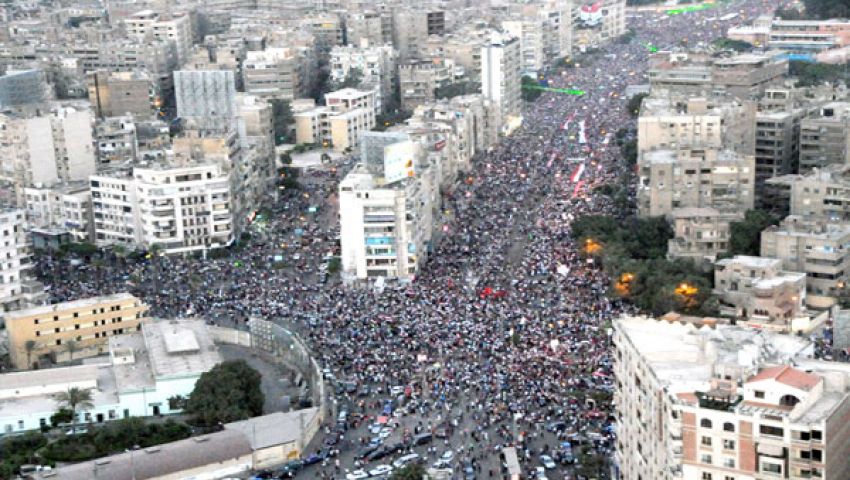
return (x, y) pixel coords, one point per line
(402, 461)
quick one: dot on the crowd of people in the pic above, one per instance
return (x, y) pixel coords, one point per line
(507, 324)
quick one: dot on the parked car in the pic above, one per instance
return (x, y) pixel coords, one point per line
(357, 475)
(402, 461)
(547, 462)
(381, 470)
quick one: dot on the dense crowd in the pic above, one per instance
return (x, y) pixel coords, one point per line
(507, 323)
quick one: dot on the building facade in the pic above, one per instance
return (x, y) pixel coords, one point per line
(501, 65)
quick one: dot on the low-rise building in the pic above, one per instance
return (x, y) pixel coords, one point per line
(825, 137)
(70, 330)
(274, 72)
(756, 290)
(728, 401)
(816, 248)
(348, 113)
(65, 207)
(145, 370)
(699, 234)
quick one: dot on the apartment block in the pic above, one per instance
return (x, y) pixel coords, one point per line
(114, 94)
(531, 32)
(759, 293)
(501, 65)
(694, 178)
(699, 234)
(377, 65)
(385, 230)
(412, 27)
(825, 137)
(176, 30)
(777, 149)
(726, 402)
(327, 28)
(274, 72)
(181, 208)
(64, 208)
(17, 289)
(373, 27)
(419, 81)
(818, 249)
(348, 113)
(70, 330)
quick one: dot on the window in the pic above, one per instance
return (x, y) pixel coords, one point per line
(706, 441)
(705, 423)
(705, 458)
(20, 424)
(728, 427)
(768, 430)
(706, 476)
(817, 455)
(817, 435)
(759, 394)
(771, 468)
(728, 444)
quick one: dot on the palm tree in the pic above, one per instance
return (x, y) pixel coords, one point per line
(71, 346)
(75, 398)
(98, 265)
(30, 347)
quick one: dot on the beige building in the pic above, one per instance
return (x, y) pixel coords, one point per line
(274, 72)
(726, 402)
(823, 195)
(777, 147)
(374, 27)
(419, 81)
(71, 330)
(348, 113)
(412, 27)
(699, 234)
(825, 137)
(702, 178)
(65, 207)
(816, 248)
(114, 94)
(758, 291)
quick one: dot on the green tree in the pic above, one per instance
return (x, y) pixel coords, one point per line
(76, 399)
(736, 45)
(530, 90)
(810, 74)
(630, 152)
(229, 392)
(334, 265)
(413, 471)
(456, 89)
(63, 415)
(745, 235)
(282, 120)
(352, 80)
(633, 107)
(824, 9)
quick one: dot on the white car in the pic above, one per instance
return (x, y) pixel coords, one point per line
(375, 428)
(357, 475)
(381, 470)
(385, 432)
(547, 462)
(447, 456)
(412, 457)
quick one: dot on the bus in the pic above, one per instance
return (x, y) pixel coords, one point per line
(510, 464)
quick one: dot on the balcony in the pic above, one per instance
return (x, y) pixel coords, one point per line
(721, 400)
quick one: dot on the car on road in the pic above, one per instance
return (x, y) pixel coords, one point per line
(357, 475)
(547, 462)
(448, 456)
(556, 426)
(365, 451)
(375, 428)
(312, 459)
(376, 441)
(422, 439)
(378, 454)
(468, 471)
(540, 473)
(385, 432)
(381, 470)
(409, 458)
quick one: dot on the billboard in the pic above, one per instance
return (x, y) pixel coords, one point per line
(398, 161)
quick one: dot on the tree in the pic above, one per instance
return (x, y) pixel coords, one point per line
(634, 104)
(810, 74)
(456, 89)
(530, 89)
(736, 45)
(63, 415)
(352, 80)
(824, 9)
(75, 399)
(229, 392)
(413, 471)
(29, 347)
(71, 346)
(282, 118)
(629, 152)
(745, 236)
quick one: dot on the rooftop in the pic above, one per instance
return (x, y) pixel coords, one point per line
(750, 261)
(71, 305)
(787, 375)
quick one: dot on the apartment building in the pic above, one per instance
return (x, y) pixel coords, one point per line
(825, 137)
(501, 65)
(205, 93)
(176, 30)
(274, 72)
(17, 289)
(327, 28)
(377, 66)
(757, 290)
(70, 330)
(726, 402)
(374, 27)
(54, 147)
(24, 90)
(743, 76)
(181, 208)
(699, 234)
(64, 207)
(419, 81)
(348, 113)
(411, 28)
(815, 248)
(777, 148)
(385, 230)
(531, 32)
(115, 94)
(116, 141)
(695, 177)
(669, 122)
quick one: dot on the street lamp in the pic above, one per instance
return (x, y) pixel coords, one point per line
(591, 246)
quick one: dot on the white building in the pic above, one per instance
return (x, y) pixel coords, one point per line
(64, 207)
(385, 229)
(148, 25)
(181, 208)
(143, 372)
(726, 402)
(205, 93)
(16, 290)
(501, 79)
(531, 32)
(348, 113)
(378, 66)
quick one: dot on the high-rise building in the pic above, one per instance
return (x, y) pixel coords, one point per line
(825, 137)
(274, 72)
(726, 402)
(17, 289)
(374, 27)
(205, 93)
(376, 65)
(347, 114)
(122, 93)
(501, 65)
(148, 25)
(411, 28)
(419, 80)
